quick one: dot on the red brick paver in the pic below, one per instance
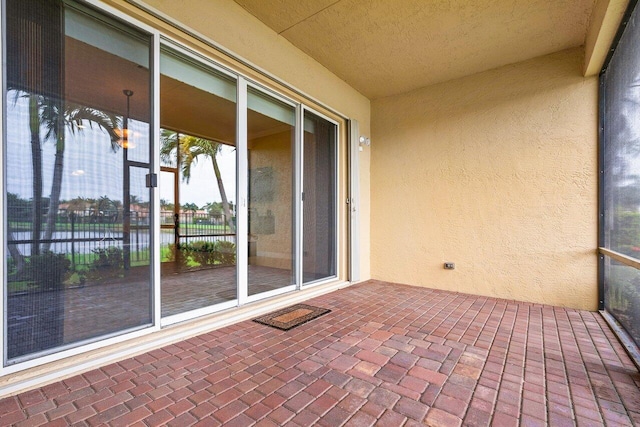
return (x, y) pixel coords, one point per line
(387, 354)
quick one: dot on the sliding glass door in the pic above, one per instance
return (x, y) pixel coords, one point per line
(319, 215)
(77, 218)
(198, 184)
(271, 147)
(94, 252)
(620, 183)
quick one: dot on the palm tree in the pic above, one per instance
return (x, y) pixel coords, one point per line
(190, 149)
(213, 208)
(56, 119)
(166, 205)
(135, 200)
(56, 116)
(17, 209)
(36, 165)
(104, 203)
(79, 204)
(53, 116)
(190, 207)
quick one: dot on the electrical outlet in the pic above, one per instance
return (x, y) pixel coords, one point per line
(449, 266)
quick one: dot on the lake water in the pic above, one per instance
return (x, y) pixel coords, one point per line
(87, 241)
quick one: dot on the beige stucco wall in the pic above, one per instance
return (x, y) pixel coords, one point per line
(603, 26)
(233, 28)
(496, 172)
(273, 249)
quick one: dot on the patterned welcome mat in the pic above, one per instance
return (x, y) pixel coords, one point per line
(290, 317)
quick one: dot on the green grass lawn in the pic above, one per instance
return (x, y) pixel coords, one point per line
(102, 227)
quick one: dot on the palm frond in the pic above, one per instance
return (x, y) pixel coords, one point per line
(77, 115)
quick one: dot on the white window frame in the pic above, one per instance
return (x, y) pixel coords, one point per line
(243, 83)
(336, 190)
(62, 352)
(196, 57)
(275, 292)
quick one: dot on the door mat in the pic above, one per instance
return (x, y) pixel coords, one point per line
(290, 317)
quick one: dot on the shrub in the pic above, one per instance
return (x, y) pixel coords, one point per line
(108, 263)
(48, 270)
(203, 253)
(225, 252)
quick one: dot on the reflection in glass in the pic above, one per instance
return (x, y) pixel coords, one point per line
(198, 158)
(78, 206)
(271, 129)
(622, 296)
(319, 205)
(621, 181)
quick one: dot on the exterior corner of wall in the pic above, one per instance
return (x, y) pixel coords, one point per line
(365, 203)
(603, 26)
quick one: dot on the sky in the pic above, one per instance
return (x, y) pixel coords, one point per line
(203, 187)
(92, 169)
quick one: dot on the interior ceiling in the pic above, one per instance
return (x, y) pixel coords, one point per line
(386, 47)
(97, 79)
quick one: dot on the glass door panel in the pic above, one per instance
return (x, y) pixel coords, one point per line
(319, 202)
(77, 129)
(198, 155)
(620, 185)
(167, 186)
(271, 139)
(137, 237)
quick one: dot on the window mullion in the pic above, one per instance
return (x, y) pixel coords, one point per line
(242, 219)
(299, 197)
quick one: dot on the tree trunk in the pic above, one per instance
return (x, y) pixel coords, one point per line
(36, 164)
(56, 188)
(18, 258)
(223, 195)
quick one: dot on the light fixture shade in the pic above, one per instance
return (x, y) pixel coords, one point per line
(124, 134)
(125, 138)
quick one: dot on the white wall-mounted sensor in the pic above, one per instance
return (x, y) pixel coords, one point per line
(365, 141)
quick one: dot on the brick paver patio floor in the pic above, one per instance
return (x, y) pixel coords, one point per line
(388, 354)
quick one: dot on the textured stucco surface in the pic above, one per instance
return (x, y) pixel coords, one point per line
(603, 26)
(384, 47)
(496, 172)
(229, 25)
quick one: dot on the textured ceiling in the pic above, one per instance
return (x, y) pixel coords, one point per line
(386, 47)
